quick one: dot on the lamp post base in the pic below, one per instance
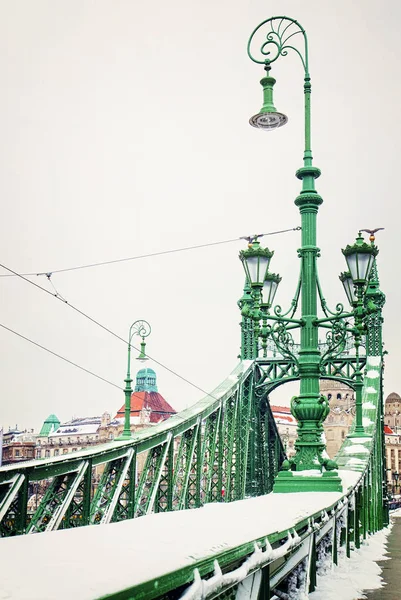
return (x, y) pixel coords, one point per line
(358, 434)
(291, 481)
(123, 437)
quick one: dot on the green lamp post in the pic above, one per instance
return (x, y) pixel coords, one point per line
(310, 408)
(143, 329)
(360, 258)
(310, 469)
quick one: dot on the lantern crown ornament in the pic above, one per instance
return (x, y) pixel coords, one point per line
(255, 261)
(360, 257)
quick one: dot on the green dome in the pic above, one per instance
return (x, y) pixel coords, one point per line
(51, 424)
(146, 381)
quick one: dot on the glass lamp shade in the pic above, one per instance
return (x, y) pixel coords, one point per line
(269, 289)
(268, 120)
(349, 288)
(255, 261)
(359, 259)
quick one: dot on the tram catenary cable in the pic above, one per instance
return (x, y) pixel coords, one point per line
(59, 356)
(67, 360)
(58, 297)
(152, 254)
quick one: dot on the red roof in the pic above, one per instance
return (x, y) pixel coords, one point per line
(161, 410)
(281, 409)
(388, 430)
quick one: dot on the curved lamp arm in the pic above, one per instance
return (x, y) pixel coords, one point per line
(277, 43)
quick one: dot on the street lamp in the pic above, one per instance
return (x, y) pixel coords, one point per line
(256, 262)
(309, 469)
(349, 287)
(143, 329)
(360, 258)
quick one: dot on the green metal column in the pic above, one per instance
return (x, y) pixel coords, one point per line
(310, 408)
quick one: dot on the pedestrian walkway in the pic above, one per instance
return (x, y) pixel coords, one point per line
(391, 571)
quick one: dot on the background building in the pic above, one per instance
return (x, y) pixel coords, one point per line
(336, 426)
(148, 408)
(286, 426)
(392, 437)
(342, 411)
(17, 446)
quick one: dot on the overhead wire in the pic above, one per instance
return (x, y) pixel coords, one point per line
(55, 295)
(67, 360)
(151, 254)
(85, 315)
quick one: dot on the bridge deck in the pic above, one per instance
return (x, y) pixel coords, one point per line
(94, 562)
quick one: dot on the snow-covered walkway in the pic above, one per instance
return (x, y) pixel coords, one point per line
(90, 562)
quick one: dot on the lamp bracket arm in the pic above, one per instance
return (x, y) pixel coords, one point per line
(334, 318)
(279, 31)
(139, 327)
(323, 303)
(294, 302)
(280, 319)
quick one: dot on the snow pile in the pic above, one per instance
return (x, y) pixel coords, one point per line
(353, 575)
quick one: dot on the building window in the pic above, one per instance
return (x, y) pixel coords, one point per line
(74, 449)
(17, 453)
(338, 396)
(47, 454)
(65, 450)
(56, 452)
(38, 453)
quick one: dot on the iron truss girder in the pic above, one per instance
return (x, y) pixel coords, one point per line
(202, 454)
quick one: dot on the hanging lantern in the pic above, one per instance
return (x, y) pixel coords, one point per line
(269, 289)
(349, 287)
(359, 259)
(255, 261)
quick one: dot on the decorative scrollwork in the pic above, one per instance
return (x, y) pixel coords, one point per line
(278, 311)
(283, 340)
(141, 328)
(280, 31)
(336, 340)
(339, 310)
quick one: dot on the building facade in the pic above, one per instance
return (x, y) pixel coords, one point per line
(148, 407)
(17, 446)
(336, 426)
(392, 437)
(342, 412)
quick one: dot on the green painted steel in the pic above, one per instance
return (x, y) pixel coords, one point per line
(325, 536)
(200, 455)
(274, 329)
(227, 447)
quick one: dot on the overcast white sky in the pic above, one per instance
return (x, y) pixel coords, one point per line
(124, 130)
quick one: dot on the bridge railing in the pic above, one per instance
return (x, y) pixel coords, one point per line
(279, 541)
(288, 560)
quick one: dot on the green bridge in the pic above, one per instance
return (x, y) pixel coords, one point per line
(261, 524)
